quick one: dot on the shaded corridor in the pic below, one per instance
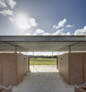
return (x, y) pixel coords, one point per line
(40, 81)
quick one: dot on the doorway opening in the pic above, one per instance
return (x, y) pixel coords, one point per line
(43, 62)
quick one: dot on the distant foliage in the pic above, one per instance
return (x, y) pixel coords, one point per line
(43, 61)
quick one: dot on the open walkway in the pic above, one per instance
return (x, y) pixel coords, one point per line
(43, 79)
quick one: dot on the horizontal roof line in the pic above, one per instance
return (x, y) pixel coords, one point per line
(43, 38)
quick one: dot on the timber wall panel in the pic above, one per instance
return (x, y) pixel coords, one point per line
(9, 69)
(13, 67)
(28, 63)
(84, 64)
(25, 65)
(65, 67)
(72, 67)
(20, 67)
(59, 63)
(76, 68)
(1, 69)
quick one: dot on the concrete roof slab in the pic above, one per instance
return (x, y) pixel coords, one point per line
(42, 43)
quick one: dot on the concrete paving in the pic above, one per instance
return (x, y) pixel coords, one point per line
(43, 79)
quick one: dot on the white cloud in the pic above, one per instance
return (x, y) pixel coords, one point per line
(39, 31)
(28, 33)
(11, 19)
(6, 12)
(33, 22)
(46, 34)
(11, 3)
(24, 22)
(60, 24)
(80, 31)
(2, 4)
(60, 32)
(69, 26)
(35, 34)
(68, 33)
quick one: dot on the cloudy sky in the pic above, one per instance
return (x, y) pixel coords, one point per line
(42, 17)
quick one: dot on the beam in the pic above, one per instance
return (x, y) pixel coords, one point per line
(42, 38)
(16, 46)
(69, 46)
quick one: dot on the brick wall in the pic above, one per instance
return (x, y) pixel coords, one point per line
(73, 67)
(13, 67)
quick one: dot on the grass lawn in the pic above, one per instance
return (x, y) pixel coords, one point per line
(43, 61)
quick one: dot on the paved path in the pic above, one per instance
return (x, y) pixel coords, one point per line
(40, 81)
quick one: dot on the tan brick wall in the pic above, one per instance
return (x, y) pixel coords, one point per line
(13, 67)
(1, 69)
(20, 67)
(65, 67)
(26, 64)
(73, 67)
(9, 69)
(76, 68)
(59, 63)
(84, 70)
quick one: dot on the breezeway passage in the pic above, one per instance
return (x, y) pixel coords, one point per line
(43, 79)
(37, 80)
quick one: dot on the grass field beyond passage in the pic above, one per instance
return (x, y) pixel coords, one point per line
(43, 61)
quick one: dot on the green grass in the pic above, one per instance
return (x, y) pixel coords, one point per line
(43, 61)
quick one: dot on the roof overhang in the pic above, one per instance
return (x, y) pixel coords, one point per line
(42, 43)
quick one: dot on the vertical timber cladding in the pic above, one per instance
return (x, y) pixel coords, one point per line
(76, 68)
(59, 63)
(9, 69)
(13, 67)
(72, 67)
(64, 67)
(1, 69)
(22, 66)
(79, 67)
(84, 64)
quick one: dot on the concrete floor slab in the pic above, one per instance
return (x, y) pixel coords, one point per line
(43, 79)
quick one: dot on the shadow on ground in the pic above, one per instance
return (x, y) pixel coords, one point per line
(40, 81)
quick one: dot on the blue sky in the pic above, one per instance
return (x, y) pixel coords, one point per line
(42, 17)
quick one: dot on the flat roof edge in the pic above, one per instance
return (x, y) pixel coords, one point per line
(43, 38)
